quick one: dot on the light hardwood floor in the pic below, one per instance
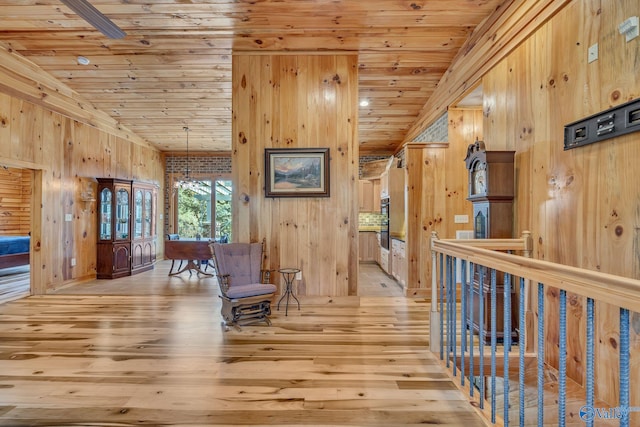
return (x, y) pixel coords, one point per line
(150, 350)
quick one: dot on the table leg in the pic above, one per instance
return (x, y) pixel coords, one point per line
(286, 292)
(191, 265)
(288, 280)
(294, 297)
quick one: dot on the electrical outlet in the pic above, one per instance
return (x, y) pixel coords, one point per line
(592, 54)
(299, 275)
(68, 217)
(616, 121)
(73, 262)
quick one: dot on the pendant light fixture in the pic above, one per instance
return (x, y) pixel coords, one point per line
(186, 174)
(187, 181)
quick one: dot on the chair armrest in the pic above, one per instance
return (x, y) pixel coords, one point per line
(223, 281)
(265, 275)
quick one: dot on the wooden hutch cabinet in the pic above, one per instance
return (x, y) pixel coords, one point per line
(114, 224)
(126, 228)
(143, 233)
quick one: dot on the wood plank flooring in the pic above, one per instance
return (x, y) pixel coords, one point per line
(150, 350)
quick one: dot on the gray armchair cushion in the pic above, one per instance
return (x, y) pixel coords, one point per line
(241, 261)
(251, 290)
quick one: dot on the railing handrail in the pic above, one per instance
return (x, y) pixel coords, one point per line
(490, 244)
(619, 291)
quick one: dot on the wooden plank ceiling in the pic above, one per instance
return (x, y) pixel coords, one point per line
(173, 68)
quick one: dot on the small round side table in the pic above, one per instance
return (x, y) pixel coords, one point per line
(288, 274)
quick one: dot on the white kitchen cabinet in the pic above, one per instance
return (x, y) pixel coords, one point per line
(399, 261)
(384, 260)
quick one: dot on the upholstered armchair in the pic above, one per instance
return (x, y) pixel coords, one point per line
(244, 285)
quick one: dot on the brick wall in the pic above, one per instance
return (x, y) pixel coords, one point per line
(437, 132)
(206, 164)
(214, 166)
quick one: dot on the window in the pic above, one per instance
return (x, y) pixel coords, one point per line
(222, 209)
(200, 201)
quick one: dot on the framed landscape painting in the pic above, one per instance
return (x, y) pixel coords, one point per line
(296, 172)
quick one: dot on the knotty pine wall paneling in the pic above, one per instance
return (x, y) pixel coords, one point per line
(26, 118)
(66, 156)
(73, 150)
(26, 192)
(581, 205)
(5, 126)
(425, 203)
(437, 190)
(299, 101)
(464, 128)
(55, 137)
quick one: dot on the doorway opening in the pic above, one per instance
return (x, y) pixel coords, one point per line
(16, 189)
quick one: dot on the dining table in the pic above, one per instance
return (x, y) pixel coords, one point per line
(192, 251)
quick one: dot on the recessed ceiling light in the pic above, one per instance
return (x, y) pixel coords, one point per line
(364, 103)
(83, 60)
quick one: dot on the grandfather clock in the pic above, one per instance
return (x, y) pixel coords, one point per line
(491, 189)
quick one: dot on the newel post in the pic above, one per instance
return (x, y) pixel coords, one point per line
(434, 324)
(528, 243)
(529, 333)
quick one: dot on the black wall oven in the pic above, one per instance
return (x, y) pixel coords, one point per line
(384, 223)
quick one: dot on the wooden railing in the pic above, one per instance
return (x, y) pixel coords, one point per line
(459, 266)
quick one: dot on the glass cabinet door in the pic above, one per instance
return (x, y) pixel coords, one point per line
(122, 214)
(147, 213)
(105, 214)
(137, 217)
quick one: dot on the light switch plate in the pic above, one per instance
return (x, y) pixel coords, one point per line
(68, 217)
(461, 219)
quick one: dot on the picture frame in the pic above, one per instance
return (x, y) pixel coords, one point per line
(296, 172)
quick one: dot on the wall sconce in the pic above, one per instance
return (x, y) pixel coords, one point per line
(87, 193)
(88, 196)
(629, 28)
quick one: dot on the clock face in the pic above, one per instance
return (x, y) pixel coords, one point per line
(479, 178)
